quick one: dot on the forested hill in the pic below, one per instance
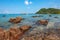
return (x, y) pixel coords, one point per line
(48, 11)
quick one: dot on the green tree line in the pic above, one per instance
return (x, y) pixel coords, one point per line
(48, 11)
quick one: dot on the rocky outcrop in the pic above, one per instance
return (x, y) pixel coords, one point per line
(1, 34)
(13, 33)
(15, 20)
(51, 34)
(42, 22)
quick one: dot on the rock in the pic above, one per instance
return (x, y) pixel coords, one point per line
(42, 22)
(52, 37)
(56, 17)
(25, 27)
(7, 35)
(4, 16)
(50, 25)
(35, 16)
(49, 35)
(57, 24)
(15, 20)
(14, 33)
(1, 34)
(50, 15)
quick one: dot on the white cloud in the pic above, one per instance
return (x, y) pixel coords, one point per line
(5, 11)
(28, 2)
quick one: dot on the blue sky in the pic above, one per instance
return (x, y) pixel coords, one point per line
(26, 6)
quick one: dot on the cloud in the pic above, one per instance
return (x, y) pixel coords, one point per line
(28, 2)
(5, 11)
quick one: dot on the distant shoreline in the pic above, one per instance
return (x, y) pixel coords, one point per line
(48, 11)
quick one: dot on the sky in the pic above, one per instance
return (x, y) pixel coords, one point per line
(27, 6)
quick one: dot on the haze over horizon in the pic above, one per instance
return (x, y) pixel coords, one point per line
(26, 6)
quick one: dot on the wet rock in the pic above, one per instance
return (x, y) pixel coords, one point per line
(56, 17)
(4, 16)
(50, 15)
(50, 25)
(52, 37)
(25, 27)
(42, 22)
(1, 34)
(7, 35)
(51, 34)
(35, 16)
(57, 24)
(14, 33)
(15, 20)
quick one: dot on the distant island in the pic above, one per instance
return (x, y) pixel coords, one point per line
(48, 11)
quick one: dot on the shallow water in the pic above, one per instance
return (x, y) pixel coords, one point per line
(29, 20)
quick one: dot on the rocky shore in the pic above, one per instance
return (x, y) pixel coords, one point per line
(50, 34)
(13, 33)
(44, 31)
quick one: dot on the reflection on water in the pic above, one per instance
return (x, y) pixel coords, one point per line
(31, 19)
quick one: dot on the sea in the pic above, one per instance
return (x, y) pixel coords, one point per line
(30, 19)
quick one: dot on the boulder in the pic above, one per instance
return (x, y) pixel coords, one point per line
(15, 20)
(25, 28)
(42, 22)
(13, 33)
(6, 35)
(1, 34)
(16, 33)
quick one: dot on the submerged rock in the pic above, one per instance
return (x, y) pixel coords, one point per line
(49, 35)
(15, 20)
(57, 24)
(50, 15)
(42, 22)
(4, 16)
(50, 25)
(35, 16)
(56, 17)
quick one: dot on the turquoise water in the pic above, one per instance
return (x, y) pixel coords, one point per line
(28, 19)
